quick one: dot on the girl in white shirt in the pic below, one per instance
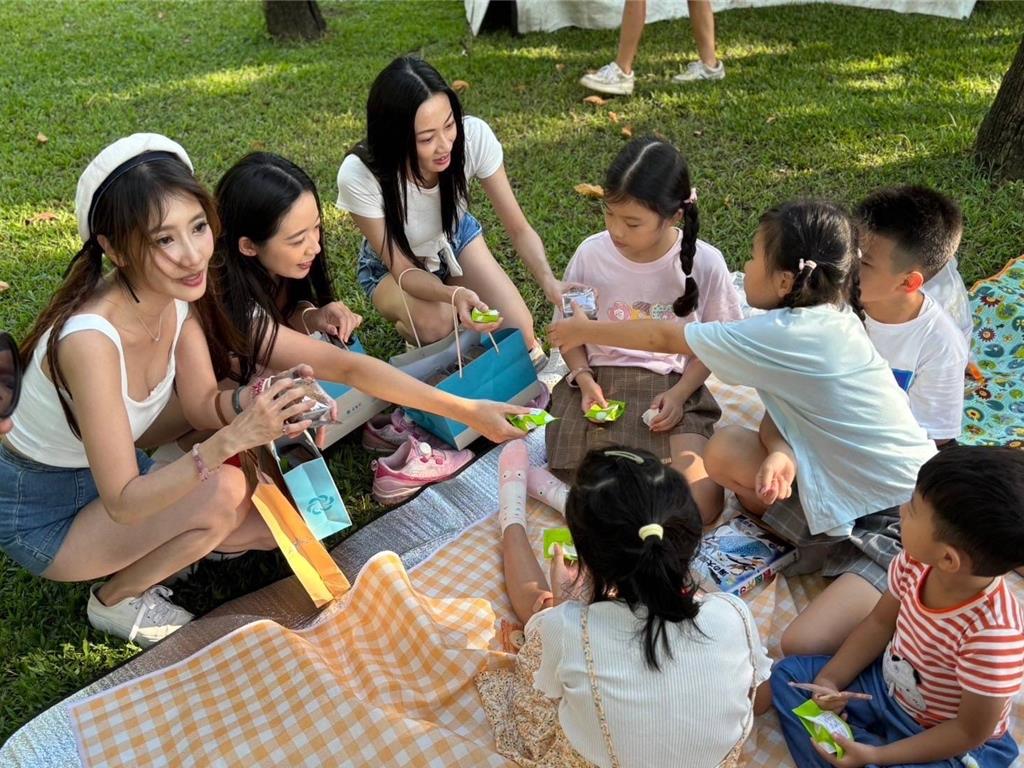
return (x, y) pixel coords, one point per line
(406, 186)
(634, 669)
(78, 502)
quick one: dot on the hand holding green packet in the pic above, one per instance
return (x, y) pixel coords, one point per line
(561, 536)
(607, 415)
(537, 417)
(490, 316)
(823, 726)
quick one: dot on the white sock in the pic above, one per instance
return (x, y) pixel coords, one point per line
(545, 487)
(512, 467)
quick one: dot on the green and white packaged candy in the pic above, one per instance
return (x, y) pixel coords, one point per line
(490, 316)
(537, 417)
(606, 415)
(824, 726)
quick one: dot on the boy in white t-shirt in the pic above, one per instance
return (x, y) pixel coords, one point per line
(907, 235)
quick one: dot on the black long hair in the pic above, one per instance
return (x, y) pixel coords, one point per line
(819, 232)
(389, 149)
(654, 173)
(616, 492)
(124, 214)
(253, 197)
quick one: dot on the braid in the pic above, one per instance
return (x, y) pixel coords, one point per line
(80, 280)
(801, 280)
(854, 289)
(688, 302)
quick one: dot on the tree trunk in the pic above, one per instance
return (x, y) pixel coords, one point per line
(1000, 145)
(294, 19)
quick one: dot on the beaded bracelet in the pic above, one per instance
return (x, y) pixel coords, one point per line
(203, 472)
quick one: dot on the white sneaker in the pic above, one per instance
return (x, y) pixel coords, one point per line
(698, 70)
(609, 79)
(143, 620)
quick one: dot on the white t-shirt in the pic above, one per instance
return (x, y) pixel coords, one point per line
(627, 290)
(858, 447)
(948, 289)
(359, 192)
(697, 705)
(928, 356)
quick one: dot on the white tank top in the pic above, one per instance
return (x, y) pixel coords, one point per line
(40, 430)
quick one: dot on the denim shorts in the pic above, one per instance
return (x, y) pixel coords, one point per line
(371, 269)
(38, 503)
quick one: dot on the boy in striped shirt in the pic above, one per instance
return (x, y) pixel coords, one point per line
(942, 654)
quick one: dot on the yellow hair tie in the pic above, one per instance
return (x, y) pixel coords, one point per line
(651, 529)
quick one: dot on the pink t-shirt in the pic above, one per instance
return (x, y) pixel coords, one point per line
(627, 290)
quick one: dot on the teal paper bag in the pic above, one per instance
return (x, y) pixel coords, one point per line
(310, 485)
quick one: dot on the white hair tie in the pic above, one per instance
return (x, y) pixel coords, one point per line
(806, 264)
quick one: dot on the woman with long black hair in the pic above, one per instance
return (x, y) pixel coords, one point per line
(406, 187)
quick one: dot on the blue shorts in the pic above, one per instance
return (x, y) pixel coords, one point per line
(371, 269)
(38, 503)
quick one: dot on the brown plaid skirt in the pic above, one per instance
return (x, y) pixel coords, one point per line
(572, 435)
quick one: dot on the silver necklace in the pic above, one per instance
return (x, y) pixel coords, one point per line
(160, 320)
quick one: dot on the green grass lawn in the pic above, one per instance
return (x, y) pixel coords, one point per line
(819, 100)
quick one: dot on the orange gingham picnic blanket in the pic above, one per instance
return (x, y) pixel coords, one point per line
(386, 675)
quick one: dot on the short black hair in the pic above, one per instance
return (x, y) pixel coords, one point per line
(977, 494)
(926, 225)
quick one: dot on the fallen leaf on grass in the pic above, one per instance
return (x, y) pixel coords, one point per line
(42, 138)
(460, 86)
(627, 131)
(3, 286)
(560, 66)
(613, 116)
(698, 133)
(519, 88)
(597, 101)
(39, 218)
(595, 191)
(771, 119)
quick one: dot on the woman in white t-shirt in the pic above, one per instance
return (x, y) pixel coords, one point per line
(406, 187)
(634, 669)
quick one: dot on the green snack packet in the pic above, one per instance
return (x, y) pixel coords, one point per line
(490, 316)
(537, 417)
(823, 726)
(606, 415)
(561, 536)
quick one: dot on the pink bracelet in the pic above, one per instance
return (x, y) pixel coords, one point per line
(204, 473)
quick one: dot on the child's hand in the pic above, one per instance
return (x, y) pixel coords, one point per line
(827, 696)
(591, 393)
(774, 480)
(855, 754)
(553, 290)
(335, 319)
(561, 576)
(670, 411)
(570, 332)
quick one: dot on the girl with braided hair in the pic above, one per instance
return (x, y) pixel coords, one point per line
(836, 425)
(647, 264)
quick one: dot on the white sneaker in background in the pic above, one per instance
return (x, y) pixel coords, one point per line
(143, 620)
(698, 70)
(609, 79)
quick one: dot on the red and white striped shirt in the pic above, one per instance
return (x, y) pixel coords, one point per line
(936, 655)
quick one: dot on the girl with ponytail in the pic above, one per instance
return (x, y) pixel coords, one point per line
(642, 670)
(78, 502)
(648, 263)
(837, 426)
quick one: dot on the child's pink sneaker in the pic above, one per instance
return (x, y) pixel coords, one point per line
(386, 432)
(414, 465)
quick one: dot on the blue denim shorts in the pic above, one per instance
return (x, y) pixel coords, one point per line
(371, 269)
(38, 503)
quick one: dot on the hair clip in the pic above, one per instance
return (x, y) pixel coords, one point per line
(860, 254)
(692, 198)
(625, 455)
(806, 264)
(651, 529)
